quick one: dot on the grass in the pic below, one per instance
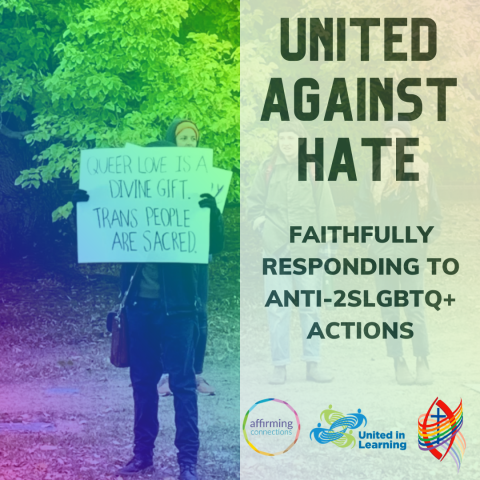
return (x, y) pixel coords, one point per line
(53, 335)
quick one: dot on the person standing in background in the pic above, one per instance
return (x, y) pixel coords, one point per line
(402, 203)
(185, 133)
(275, 203)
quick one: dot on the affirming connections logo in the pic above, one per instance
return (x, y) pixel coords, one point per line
(443, 432)
(274, 426)
(338, 424)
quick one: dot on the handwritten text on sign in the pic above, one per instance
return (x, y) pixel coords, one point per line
(219, 181)
(143, 205)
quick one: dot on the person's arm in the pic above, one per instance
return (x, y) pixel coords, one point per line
(78, 196)
(217, 237)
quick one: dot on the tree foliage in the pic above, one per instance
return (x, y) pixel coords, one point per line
(100, 73)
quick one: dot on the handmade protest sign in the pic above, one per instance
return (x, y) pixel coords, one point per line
(143, 205)
(218, 184)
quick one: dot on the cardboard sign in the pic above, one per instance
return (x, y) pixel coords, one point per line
(143, 204)
(219, 181)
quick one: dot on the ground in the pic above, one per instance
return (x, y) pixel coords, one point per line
(55, 370)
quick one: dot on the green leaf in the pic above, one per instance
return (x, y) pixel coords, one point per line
(77, 102)
(62, 212)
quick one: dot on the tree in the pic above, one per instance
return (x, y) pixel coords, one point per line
(96, 73)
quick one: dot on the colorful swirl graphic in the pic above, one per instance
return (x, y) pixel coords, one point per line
(443, 433)
(338, 423)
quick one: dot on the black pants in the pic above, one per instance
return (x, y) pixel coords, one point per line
(415, 315)
(152, 332)
(201, 345)
(202, 322)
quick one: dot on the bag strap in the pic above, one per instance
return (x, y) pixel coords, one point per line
(124, 299)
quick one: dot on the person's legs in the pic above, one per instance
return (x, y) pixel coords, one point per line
(200, 339)
(279, 326)
(308, 312)
(178, 344)
(201, 344)
(145, 370)
(278, 319)
(416, 315)
(311, 347)
(390, 315)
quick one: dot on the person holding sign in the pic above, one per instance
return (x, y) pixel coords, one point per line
(162, 320)
(185, 133)
(276, 202)
(400, 204)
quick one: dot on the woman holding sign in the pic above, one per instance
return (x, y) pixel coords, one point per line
(185, 133)
(161, 309)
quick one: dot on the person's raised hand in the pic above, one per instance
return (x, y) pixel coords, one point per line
(208, 201)
(80, 196)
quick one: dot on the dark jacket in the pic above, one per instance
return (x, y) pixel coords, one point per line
(178, 281)
(283, 201)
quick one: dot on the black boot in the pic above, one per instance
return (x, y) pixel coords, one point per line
(188, 471)
(137, 465)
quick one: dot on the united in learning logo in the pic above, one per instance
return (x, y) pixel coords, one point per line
(439, 433)
(340, 427)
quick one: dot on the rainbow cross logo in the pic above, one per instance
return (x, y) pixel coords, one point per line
(443, 432)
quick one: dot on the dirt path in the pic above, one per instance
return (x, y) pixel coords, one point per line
(54, 370)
